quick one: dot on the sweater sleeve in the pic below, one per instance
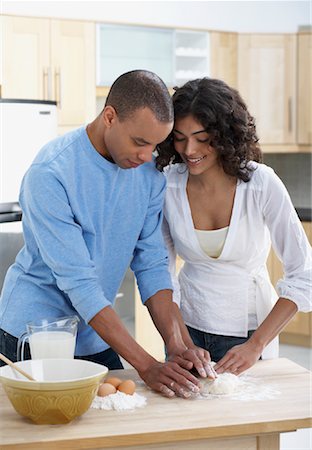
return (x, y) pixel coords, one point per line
(290, 243)
(47, 212)
(172, 262)
(150, 259)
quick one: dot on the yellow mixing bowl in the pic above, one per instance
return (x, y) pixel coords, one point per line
(64, 388)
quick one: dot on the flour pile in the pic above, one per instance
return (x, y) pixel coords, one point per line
(243, 388)
(119, 402)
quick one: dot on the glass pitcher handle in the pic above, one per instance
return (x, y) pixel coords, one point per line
(21, 346)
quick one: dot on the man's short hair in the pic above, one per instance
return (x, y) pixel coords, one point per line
(140, 89)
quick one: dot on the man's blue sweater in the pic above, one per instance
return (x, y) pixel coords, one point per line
(84, 221)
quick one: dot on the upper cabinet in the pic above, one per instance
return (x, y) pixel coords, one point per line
(223, 56)
(267, 81)
(25, 58)
(304, 104)
(75, 62)
(176, 55)
(45, 59)
(121, 48)
(191, 55)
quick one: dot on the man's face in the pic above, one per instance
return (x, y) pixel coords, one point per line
(132, 141)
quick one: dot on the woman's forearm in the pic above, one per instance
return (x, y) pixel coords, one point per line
(281, 314)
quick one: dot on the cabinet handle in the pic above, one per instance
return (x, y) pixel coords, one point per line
(290, 115)
(45, 83)
(49, 84)
(58, 87)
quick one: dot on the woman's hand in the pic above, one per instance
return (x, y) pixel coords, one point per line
(195, 358)
(170, 379)
(239, 358)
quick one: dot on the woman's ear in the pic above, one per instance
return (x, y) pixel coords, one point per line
(109, 115)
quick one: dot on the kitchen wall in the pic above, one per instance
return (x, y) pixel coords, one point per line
(295, 169)
(242, 16)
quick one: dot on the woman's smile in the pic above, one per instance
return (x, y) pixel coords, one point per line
(190, 160)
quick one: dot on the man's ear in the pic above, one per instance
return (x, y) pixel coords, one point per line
(109, 115)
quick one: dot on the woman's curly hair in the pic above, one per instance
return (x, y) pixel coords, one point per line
(224, 115)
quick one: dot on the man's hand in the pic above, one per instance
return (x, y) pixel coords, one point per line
(239, 358)
(170, 379)
(195, 358)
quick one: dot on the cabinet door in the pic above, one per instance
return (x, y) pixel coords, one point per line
(304, 114)
(299, 330)
(146, 333)
(25, 58)
(267, 81)
(121, 48)
(223, 57)
(73, 71)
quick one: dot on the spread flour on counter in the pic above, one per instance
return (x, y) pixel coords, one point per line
(243, 388)
(119, 402)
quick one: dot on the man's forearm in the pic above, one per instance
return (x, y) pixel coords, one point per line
(111, 329)
(168, 321)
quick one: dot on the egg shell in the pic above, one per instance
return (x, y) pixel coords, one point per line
(114, 381)
(127, 387)
(106, 389)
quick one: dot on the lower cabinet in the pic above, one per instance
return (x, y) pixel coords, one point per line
(299, 329)
(145, 331)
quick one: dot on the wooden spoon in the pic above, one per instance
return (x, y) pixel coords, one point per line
(10, 363)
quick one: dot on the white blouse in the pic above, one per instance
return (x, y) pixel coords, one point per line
(213, 293)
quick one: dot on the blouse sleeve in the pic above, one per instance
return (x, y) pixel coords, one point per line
(172, 261)
(290, 243)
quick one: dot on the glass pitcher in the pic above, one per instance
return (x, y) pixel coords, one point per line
(56, 339)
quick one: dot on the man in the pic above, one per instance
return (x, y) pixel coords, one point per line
(92, 203)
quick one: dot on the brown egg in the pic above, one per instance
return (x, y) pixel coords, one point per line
(127, 387)
(114, 381)
(106, 389)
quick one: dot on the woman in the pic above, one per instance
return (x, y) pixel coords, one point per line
(223, 209)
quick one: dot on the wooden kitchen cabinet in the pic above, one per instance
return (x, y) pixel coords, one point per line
(304, 104)
(299, 330)
(25, 58)
(47, 59)
(145, 332)
(267, 81)
(223, 57)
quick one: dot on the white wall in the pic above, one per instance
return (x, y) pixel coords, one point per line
(244, 16)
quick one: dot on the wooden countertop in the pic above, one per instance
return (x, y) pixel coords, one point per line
(172, 420)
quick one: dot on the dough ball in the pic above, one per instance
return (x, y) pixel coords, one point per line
(226, 383)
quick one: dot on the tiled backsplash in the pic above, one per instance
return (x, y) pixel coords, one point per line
(295, 170)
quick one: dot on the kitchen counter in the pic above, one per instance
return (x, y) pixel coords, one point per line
(216, 424)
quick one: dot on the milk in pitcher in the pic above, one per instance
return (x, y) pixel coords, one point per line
(52, 344)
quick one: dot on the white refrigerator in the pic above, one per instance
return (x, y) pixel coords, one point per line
(25, 126)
